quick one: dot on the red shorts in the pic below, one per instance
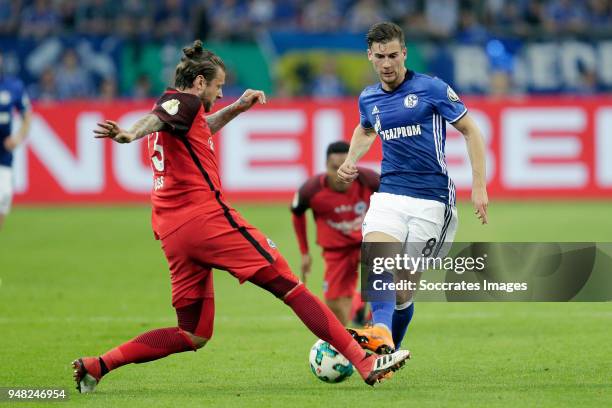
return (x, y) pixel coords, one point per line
(341, 272)
(223, 241)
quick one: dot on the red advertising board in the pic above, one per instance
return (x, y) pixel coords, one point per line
(536, 148)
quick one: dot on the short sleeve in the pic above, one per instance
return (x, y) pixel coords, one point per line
(447, 102)
(301, 199)
(300, 204)
(177, 110)
(363, 116)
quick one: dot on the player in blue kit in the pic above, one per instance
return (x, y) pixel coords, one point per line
(415, 204)
(12, 97)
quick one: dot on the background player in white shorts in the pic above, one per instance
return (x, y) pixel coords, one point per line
(415, 204)
(12, 97)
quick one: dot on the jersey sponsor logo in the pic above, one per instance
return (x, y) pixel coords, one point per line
(411, 101)
(343, 208)
(5, 97)
(171, 106)
(347, 227)
(452, 95)
(375, 110)
(359, 208)
(402, 131)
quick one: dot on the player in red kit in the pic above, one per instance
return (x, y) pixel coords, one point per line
(199, 231)
(338, 209)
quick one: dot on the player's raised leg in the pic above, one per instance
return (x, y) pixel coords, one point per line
(278, 279)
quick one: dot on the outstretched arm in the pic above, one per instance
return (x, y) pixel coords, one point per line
(220, 118)
(147, 124)
(476, 151)
(360, 144)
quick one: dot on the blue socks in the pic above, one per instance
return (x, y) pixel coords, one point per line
(382, 313)
(401, 319)
(382, 301)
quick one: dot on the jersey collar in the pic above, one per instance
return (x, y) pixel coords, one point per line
(407, 77)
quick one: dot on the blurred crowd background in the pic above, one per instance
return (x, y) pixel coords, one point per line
(65, 49)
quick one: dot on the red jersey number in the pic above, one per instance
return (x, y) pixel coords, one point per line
(156, 152)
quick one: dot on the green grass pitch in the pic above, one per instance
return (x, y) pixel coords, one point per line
(77, 281)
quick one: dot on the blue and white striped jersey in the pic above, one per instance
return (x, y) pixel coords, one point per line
(411, 122)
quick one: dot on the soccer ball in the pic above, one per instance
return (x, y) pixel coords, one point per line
(327, 364)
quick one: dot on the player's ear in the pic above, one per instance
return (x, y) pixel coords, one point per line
(369, 54)
(200, 82)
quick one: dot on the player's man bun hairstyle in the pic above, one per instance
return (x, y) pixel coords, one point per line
(196, 60)
(196, 50)
(337, 147)
(385, 32)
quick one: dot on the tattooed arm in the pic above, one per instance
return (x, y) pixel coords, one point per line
(220, 118)
(147, 124)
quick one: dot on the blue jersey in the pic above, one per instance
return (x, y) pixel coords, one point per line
(411, 122)
(12, 96)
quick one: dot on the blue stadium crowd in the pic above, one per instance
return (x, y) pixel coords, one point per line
(57, 72)
(240, 19)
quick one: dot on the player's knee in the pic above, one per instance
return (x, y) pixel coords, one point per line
(276, 278)
(402, 297)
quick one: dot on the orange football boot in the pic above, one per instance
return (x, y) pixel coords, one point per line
(374, 338)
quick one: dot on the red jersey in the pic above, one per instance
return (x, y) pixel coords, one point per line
(338, 215)
(186, 180)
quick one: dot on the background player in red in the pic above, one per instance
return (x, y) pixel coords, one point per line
(199, 230)
(338, 209)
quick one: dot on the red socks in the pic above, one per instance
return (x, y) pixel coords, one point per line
(149, 346)
(316, 316)
(326, 326)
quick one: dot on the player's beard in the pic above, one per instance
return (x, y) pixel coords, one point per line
(207, 105)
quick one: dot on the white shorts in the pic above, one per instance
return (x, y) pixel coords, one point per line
(416, 222)
(6, 189)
